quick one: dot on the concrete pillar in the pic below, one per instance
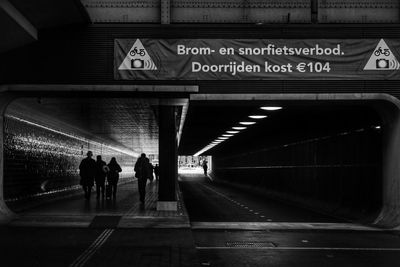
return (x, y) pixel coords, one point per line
(167, 157)
(5, 214)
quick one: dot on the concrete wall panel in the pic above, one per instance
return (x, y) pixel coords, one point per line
(41, 162)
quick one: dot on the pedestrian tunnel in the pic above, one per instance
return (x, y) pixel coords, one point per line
(336, 154)
(45, 139)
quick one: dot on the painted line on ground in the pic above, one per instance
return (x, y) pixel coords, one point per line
(50, 224)
(230, 199)
(282, 226)
(299, 248)
(95, 246)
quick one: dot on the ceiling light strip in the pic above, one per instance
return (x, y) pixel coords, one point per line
(237, 129)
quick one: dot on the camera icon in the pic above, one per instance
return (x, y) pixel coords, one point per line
(382, 63)
(137, 63)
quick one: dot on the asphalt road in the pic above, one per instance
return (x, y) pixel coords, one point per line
(208, 201)
(235, 228)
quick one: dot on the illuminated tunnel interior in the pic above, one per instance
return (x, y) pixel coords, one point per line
(46, 138)
(324, 157)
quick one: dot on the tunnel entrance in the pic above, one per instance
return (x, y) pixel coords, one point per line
(335, 154)
(320, 155)
(45, 139)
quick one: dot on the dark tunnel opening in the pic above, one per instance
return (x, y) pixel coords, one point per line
(326, 158)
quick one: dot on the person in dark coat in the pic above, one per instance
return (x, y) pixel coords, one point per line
(100, 178)
(87, 171)
(157, 171)
(150, 170)
(205, 167)
(141, 172)
(113, 176)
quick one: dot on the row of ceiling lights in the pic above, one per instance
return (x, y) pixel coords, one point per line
(236, 129)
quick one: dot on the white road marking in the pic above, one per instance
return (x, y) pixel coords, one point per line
(301, 248)
(95, 246)
(228, 198)
(283, 226)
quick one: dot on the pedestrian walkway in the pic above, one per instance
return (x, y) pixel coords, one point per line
(124, 212)
(104, 233)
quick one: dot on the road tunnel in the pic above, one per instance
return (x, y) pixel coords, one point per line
(293, 106)
(329, 155)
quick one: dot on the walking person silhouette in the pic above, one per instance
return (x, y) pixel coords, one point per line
(141, 172)
(157, 171)
(113, 176)
(100, 178)
(205, 167)
(87, 171)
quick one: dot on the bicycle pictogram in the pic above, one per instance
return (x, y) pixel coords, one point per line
(381, 51)
(141, 52)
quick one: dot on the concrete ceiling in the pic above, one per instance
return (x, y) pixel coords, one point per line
(131, 123)
(122, 122)
(207, 120)
(49, 13)
(21, 20)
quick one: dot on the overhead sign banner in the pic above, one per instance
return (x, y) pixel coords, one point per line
(256, 59)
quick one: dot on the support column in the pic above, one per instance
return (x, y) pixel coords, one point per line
(5, 214)
(167, 149)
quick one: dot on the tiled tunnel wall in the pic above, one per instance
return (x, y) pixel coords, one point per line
(38, 161)
(340, 174)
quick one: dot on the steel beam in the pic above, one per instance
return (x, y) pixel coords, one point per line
(20, 19)
(165, 11)
(314, 11)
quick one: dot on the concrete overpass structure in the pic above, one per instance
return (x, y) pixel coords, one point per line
(332, 148)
